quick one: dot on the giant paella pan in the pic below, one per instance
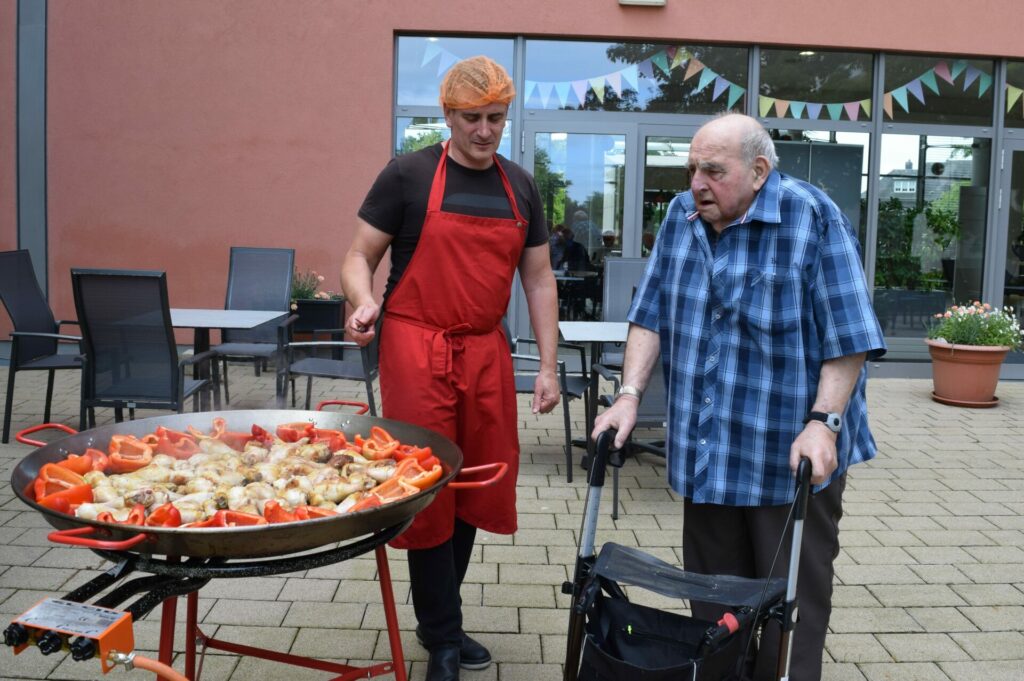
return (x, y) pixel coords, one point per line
(239, 540)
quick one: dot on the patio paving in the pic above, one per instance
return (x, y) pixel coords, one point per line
(929, 583)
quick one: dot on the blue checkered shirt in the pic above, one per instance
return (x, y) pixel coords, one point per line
(744, 329)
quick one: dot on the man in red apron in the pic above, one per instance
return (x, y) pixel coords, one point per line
(459, 221)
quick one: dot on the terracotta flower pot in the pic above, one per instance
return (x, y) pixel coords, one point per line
(965, 375)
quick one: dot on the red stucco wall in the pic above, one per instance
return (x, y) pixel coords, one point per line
(177, 129)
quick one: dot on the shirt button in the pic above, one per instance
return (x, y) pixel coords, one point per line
(718, 315)
(703, 442)
(707, 400)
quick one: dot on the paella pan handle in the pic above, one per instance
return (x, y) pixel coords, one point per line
(20, 435)
(74, 537)
(499, 468)
(363, 406)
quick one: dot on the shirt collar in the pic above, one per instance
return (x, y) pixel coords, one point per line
(766, 207)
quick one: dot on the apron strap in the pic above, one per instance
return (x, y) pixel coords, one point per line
(436, 197)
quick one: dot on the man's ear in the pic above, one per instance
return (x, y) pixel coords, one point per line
(761, 170)
(447, 116)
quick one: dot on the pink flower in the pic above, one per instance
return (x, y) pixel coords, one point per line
(948, 314)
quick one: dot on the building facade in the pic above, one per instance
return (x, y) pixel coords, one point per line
(156, 135)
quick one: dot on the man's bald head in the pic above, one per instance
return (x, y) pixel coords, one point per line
(749, 136)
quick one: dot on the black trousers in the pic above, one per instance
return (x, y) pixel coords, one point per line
(435, 577)
(742, 541)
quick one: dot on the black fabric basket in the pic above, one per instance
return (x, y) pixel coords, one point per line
(626, 641)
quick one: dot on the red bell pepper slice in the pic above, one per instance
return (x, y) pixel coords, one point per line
(136, 516)
(66, 500)
(128, 453)
(313, 512)
(174, 443)
(274, 512)
(330, 436)
(165, 515)
(227, 518)
(368, 501)
(380, 435)
(418, 453)
(293, 432)
(100, 460)
(77, 464)
(53, 478)
(375, 450)
(410, 471)
(262, 436)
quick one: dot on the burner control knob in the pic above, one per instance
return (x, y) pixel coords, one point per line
(50, 642)
(15, 635)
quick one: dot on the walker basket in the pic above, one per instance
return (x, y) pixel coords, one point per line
(627, 641)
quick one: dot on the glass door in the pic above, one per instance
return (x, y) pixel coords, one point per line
(586, 190)
(1011, 221)
(665, 151)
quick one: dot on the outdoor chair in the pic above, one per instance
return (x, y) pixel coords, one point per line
(621, 276)
(364, 369)
(36, 336)
(130, 355)
(573, 386)
(258, 279)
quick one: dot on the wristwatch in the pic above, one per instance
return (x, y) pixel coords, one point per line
(630, 390)
(832, 420)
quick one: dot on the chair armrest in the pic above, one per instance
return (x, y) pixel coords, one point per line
(35, 334)
(563, 346)
(195, 359)
(62, 322)
(323, 344)
(284, 330)
(601, 371)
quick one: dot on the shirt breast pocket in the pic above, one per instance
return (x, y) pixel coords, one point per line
(770, 303)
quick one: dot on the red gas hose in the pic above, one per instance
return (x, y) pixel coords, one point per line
(162, 670)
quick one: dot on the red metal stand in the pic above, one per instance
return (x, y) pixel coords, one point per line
(194, 637)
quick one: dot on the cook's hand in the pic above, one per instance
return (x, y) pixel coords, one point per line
(818, 444)
(546, 392)
(361, 322)
(621, 416)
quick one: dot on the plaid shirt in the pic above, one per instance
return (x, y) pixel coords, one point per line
(744, 329)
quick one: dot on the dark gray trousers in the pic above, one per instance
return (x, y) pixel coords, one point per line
(742, 541)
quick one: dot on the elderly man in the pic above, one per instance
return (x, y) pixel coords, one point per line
(459, 221)
(755, 301)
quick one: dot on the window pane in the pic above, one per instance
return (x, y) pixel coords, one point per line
(1014, 96)
(665, 175)
(580, 178)
(937, 90)
(658, 78)
(422, 62)
(815, 85)
(930, 242)
(414, 134)
(835, 162)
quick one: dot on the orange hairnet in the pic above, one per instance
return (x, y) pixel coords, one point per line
(477, 81)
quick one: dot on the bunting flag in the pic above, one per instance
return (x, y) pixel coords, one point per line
(720, 86)
(781, 107)
(887, 103)
(852, 110)
(1012, 95)
(813, 110)
(797, 108)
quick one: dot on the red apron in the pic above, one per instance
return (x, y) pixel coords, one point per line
(445, 362)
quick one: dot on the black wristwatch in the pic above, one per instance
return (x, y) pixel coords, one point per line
(831, 419)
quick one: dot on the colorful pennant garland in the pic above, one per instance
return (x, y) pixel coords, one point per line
(552, 94)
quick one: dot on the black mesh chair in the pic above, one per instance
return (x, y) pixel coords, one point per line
(573, 386)
(36, 335)
(131, 359)
(258, 279)
(364, 369)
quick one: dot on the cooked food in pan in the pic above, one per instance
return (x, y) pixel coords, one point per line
(227, 479)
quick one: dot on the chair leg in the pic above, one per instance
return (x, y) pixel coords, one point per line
(10, 401)
(227, 395)
(131, 413)
(293, 393)
(118, 414)
(309, 391)
(49, 395)
(615, 493)
(215, 387)
(568, 439)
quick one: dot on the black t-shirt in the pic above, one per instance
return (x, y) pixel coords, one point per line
(397, 201)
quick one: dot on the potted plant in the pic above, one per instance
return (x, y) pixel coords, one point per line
(968, 344)
(316, 309)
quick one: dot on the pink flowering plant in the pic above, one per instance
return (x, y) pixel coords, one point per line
(977, 324)
(306, 286)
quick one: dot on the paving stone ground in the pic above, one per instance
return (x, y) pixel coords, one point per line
(929, 583)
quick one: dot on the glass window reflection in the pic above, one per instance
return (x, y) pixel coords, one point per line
(663, 78)
(423, 61)
(937, 90)
(813, 84)
(931, 242)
